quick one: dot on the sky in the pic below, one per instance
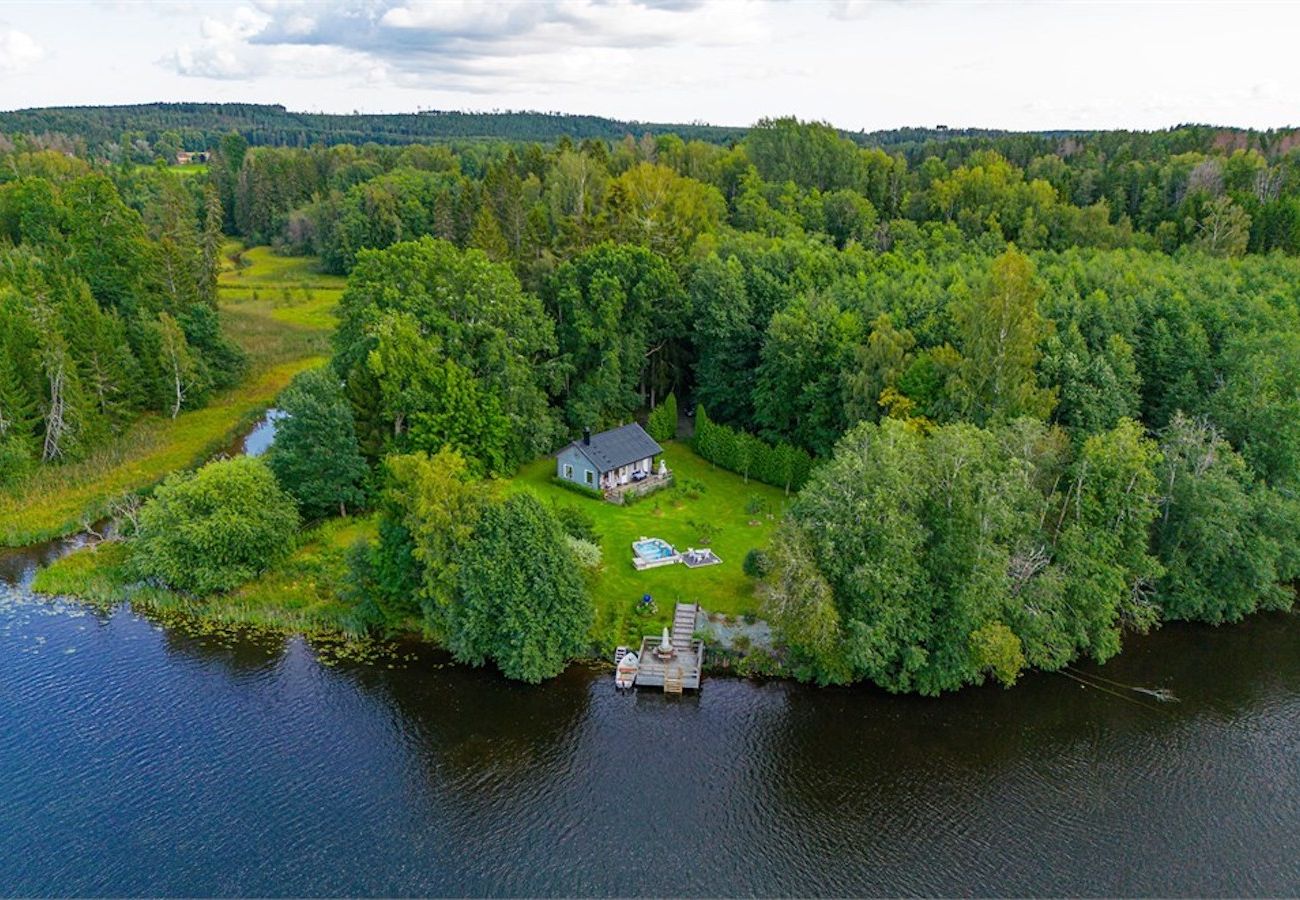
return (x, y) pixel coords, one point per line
(859, 64)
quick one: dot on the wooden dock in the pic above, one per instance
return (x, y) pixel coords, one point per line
(683, 670)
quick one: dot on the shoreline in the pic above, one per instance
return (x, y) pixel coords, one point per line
(77, 576)
(333, 645)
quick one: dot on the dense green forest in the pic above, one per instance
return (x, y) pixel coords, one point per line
(1029, 391)
(141, 131)
(107, 305)
(138, 130)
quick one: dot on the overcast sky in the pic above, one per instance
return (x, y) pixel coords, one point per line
(858, 64)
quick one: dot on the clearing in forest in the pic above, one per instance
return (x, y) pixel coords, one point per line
(707, 506)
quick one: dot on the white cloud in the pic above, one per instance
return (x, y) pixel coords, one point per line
(463, 45)
(18, 51)
(225, 50)
(861, 64)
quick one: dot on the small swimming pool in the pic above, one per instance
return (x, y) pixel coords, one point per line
(653, 548)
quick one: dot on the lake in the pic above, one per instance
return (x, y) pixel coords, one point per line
(140, 761)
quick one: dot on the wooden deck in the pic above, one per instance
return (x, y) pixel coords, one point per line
(616, 493)
(683, 670)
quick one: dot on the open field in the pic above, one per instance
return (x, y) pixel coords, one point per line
(188, 170)
(741, 517)
(280, 312)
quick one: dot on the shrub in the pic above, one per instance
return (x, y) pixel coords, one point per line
(756, 564)
(756, 506)
(662, 423)
(760, 664)
(646, 610)
(576, 523)
(782, 465)
(365, 616)
(576, 488)
(216, 528)
(692, 487)
(705, 529)
(587, 554)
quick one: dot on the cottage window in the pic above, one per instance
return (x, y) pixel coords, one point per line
(568, 471)
(591, 477)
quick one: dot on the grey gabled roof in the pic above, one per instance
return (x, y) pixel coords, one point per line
(618, 447)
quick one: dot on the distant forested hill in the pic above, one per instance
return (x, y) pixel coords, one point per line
(104, 130)
(200, 125)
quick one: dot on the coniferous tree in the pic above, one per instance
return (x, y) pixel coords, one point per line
(315, 456)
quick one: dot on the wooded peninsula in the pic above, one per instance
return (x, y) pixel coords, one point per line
(948, 406)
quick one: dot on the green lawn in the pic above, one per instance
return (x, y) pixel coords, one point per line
(301, 593)
(280, 311)
(674, 517)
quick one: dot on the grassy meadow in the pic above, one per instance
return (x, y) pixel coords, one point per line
(734, 517)
(279, 310)
(296, 596)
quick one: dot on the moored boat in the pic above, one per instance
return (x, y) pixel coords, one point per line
(625, 673)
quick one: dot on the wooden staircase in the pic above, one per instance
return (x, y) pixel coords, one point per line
(684, 624)
(673, 678)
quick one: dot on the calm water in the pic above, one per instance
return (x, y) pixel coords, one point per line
(259, 437)
(137, 761)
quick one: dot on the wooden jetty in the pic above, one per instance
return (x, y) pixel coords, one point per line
(683, 670)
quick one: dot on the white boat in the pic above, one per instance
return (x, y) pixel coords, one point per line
(625, 673)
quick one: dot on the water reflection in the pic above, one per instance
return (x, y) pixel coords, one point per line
(238, 653)
(18, 565)
(135, 760)
(473, 726)
(257, 439)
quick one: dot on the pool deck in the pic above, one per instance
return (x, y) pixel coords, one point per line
(641, 563)
(682, 672)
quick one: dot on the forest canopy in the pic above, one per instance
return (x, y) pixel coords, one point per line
(1031, 391)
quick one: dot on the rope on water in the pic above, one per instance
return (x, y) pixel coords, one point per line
(1106, 690)
(1164, 695)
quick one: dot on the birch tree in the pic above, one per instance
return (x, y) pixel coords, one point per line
(178, 363)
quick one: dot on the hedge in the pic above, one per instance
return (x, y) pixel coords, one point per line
(783, 465)
(662, 424)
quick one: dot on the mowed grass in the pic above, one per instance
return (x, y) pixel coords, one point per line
(281, 335)
(742, 517)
